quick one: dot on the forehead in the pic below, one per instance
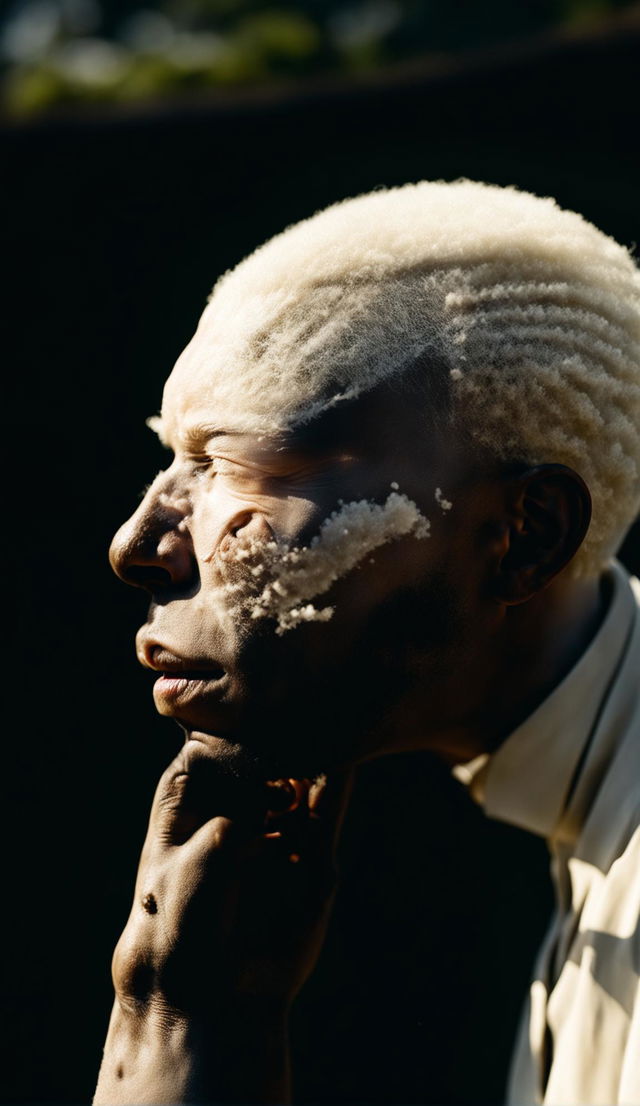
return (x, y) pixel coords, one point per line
(255, 371)
(268, 360)
(392, 423)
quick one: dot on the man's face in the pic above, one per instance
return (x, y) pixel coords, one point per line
(376, 675)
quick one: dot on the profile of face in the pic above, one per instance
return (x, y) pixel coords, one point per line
(361, 669)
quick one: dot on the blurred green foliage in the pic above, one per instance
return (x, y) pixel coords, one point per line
(56, 52)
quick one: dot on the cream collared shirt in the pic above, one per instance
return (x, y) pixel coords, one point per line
(571, 773)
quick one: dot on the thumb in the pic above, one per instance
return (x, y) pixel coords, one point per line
(197, 787)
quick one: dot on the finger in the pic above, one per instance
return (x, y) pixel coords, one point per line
(196, 787)
(270, 802)
(285, 795)
(310, 829)
(168, 802)
(221, 840)
(290, 823)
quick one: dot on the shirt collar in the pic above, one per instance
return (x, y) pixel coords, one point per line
(527, 780)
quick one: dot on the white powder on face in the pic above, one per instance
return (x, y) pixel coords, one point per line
(298, 574)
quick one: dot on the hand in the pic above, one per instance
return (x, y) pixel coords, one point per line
(233, 894)
(231, 900)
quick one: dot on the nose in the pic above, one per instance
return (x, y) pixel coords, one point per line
(153, 549)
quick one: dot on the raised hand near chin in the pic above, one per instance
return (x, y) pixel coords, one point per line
(233, 894)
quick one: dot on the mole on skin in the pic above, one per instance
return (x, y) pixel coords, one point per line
(149, 903)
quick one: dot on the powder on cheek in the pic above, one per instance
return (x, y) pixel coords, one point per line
(286, 578)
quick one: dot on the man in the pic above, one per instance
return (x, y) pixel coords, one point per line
(406, 448)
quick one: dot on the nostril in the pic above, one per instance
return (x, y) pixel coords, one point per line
(151, 577)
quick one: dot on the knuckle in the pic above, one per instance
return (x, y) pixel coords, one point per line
(132, 968)
(177, 768)
(169, 800)
(217, 837)
(172, 786)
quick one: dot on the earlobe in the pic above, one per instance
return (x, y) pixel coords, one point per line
(548, 511)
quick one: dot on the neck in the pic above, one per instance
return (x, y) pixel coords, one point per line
(541, 647)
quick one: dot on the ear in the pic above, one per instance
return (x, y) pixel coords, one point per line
(548, 511)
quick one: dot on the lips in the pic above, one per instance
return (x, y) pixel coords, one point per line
(180, 689)
(170, 664)
(181, 679)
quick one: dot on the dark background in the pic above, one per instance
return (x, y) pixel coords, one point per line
(116, 226)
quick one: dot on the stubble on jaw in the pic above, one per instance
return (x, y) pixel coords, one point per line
(302, 721)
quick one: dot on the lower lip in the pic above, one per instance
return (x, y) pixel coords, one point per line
(171, 688)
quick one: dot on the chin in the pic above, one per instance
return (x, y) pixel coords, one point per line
(297, 722)
(298, 756)
(248, 762)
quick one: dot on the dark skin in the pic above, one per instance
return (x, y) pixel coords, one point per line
(444, 643)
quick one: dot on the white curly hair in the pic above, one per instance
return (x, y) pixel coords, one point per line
(530, 313)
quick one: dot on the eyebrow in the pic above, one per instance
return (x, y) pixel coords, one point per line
(308, 437)
(198, 434)
(192, 436)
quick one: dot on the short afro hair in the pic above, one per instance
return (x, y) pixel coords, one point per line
(530, 313)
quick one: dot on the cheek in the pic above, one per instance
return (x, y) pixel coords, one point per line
(295, 519)
(358, 555)
(238, 544)
(345, 543)
(424, 568)
(222, 512)
(322, 695)
(397, 565)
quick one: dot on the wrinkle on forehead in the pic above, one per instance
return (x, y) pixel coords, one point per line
(267, 363)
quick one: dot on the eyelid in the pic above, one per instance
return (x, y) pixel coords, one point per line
(218, 460)
(276, 467)
(216, 465)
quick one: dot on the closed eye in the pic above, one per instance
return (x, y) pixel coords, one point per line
(220, 466)
(277, 469)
